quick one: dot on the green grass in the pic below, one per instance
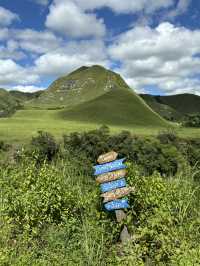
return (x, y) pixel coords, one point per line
(25, 123)
(118, 107)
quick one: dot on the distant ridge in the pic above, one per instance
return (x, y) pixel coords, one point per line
(173, 107)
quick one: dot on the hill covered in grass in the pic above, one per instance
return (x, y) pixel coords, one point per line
(97, 95)
(8, 103)
(25, 96)
(173, 107)
(82, 85)
(119, 107)
(11, 101)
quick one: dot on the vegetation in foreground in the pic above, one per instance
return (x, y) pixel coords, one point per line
(51, 212)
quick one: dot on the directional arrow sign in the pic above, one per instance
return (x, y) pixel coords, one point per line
(107, 157)
(108, 167)
(117, 204)
(116, 194)
(111, 176)
(113, 185)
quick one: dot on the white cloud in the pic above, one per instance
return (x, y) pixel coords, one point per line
(28, 88)
(164, 57)
(12, 73)
(180, 9)
(30, 40)
(10, 51)
(67, 18)
(36, 41)
(125, 6)
(7, 17)
(70, 57)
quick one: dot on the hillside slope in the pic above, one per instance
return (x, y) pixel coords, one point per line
(82, 85)
(183, 103)
(173, 107)
(162, 109)
(97, 95)
(120, 107)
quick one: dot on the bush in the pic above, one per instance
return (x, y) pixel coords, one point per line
(163, 155)
(192, 120)
(164, 220)
(168, 137)
(154, 156)
(45, 146)
(51, 215)
(92, 143)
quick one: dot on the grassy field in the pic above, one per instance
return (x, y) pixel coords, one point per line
(25, 123)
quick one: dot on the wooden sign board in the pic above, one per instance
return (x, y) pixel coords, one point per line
(108, 167)
(111, 173)
(116, 194)
(107, 157)
(105, 187)
(111, 176)
(117, 205)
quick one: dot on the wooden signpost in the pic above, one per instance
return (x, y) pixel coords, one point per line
(111, 176)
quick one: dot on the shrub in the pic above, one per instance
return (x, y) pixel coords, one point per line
(160, 155)
(45, 146)
(168, 137)
(163, 219)
(192, 120)
(92, 143)
(4, 146)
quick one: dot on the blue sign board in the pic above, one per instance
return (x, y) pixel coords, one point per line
(116, 205)
(113, 185)
(108, 167)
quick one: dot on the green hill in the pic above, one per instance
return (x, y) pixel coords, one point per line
(25, 96)
(120, 107)
(11, 101)
(162, 109)
(82, 85)
(8, 103)
(173, 107)
(96, 95)
(183, 103)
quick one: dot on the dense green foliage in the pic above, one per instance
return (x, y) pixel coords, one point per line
(45, 146)
(51, 211)
(52, 215)
(166, 154)
(192, 120)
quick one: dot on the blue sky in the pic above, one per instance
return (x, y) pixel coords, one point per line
(154, 45)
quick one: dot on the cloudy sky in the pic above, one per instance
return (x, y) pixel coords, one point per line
(153, 44)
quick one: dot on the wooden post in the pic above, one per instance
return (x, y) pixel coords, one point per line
(124, 235)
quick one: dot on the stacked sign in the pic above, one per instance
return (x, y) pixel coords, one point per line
(111, 177)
